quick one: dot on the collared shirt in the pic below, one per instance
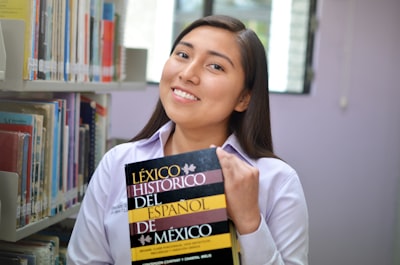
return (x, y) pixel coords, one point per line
(101, 232)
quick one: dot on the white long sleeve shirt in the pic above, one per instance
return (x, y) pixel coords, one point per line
(101, 232)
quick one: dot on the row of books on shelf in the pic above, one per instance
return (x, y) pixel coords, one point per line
(54, 145)
(47, 247)
(70, 40)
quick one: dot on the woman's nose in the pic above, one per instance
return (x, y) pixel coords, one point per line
(190, 73)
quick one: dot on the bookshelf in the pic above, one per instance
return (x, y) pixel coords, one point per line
(11, 65)
(11, 82)
(8, 196)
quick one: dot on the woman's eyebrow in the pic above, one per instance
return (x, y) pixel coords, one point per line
(189, 45)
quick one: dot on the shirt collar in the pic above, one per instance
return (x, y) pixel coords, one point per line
(231, 144)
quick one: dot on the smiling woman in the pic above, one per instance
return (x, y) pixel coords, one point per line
(285, 27)
(213, 92)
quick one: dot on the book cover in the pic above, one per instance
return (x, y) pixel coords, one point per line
(177, 211)
(22, 10)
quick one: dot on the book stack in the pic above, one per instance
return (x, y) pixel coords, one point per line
(177, 211)
(69, 40)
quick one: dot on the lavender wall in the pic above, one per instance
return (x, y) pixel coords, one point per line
(348, 157)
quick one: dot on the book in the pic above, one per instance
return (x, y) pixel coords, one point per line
(21, 10)
(96, 12)
(83, 40)
(72, 123)
(13, 158)
(177, 211)
(107, 41)
(88, 116)
(42, 44)
(83, 169)
(73, 36)
(102, 102)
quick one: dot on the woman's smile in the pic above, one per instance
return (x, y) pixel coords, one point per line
(184, 95)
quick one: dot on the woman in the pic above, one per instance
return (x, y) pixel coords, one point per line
(213, 92)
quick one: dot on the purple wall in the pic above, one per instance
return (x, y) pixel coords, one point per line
(348, 158)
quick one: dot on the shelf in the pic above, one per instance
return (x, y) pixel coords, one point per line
(8, 197)
(12, 42)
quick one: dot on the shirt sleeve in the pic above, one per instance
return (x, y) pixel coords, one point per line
(88, 243)
(282, 236)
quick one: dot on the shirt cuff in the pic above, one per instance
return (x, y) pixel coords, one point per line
(257, 247)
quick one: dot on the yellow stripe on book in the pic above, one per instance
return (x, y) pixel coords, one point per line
(177, 208)
(181, 247)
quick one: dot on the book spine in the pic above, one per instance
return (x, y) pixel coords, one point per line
(108, 32)
(42, 43)
(67, 40)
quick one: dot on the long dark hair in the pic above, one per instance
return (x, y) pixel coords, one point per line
(253, 126)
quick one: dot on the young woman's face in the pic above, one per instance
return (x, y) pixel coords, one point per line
(202, 81)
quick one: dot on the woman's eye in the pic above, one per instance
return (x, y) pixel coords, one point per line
(182, 54)
(217, 67)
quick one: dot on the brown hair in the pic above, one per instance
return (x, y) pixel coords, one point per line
(253, 126)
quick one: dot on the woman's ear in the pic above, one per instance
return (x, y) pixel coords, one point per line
(244, 101)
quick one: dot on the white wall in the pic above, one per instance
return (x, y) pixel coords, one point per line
(348, 158)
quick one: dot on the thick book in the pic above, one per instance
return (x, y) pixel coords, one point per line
(177, 211)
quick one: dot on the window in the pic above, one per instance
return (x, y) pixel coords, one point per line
(285, 27)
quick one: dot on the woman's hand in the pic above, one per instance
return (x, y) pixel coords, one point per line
(241, 188)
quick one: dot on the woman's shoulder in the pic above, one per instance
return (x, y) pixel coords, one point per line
(275, 168)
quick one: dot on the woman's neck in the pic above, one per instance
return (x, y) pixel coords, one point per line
(181, 141)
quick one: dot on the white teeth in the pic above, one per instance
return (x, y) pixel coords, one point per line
(183, 94)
